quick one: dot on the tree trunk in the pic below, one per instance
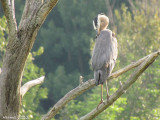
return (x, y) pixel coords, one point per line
(20, 43)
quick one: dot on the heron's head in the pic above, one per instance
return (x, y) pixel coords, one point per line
(100, 22)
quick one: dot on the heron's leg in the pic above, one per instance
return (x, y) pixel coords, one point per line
(107, 90)
(102, 101)
(102, 93)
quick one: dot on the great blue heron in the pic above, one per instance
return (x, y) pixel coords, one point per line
(105, 52)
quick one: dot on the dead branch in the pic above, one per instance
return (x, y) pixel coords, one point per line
(122, 89)
(87, 85)
(31, 84)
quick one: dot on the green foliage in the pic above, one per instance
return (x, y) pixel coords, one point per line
(66, 38)
(138, 35)
(60, 83)
(39, 52)
(138, 32)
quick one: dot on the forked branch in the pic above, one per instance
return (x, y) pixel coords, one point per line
(89, 84)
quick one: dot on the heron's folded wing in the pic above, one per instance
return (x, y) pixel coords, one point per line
(103, 50)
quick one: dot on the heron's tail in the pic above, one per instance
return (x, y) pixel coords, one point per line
(100, 76)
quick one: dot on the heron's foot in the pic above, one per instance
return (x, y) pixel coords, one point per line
(102, 101)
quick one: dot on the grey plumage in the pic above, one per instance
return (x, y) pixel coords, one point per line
(104, 55)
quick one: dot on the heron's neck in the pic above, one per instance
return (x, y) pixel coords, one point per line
(103, 29)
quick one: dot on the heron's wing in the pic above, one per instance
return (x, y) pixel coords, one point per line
(105, 50)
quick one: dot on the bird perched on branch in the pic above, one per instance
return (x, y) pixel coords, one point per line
(105, 52)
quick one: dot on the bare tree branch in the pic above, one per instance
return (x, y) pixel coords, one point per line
(30, 84)
(87, 85)
(122, 89)
(9, 11)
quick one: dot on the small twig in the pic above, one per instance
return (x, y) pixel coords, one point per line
(80, 80)
(30, 84)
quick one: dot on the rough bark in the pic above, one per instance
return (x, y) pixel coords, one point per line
(87, 85)
(20, 42)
